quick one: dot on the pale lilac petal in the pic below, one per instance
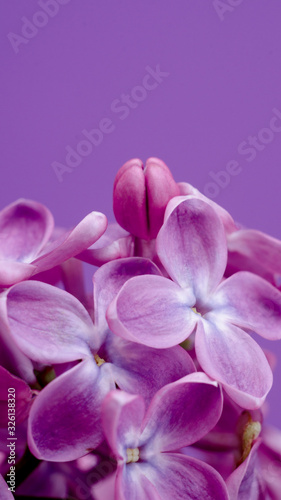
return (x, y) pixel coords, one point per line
(20, 398)
(250, 302)
(12, 272)
(176, 476)
(132, 483)
(73, 242)
(5, 494)
(152, 310)
(109, 278)
(25, 227)
(11, 356)
(64, 421)
(227, 220)
(115, 243)
(246, 483)
(192, 246)
(181, 413)
(139, 369)
(48, 324)
(122, 415)
(251, 250)
(229, 355)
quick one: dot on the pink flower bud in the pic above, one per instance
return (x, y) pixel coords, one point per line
(140, 196)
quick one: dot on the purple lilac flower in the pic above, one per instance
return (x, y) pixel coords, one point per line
(146, 445)
(52, 327)
(192, 247)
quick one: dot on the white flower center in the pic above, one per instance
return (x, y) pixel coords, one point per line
(133, 455)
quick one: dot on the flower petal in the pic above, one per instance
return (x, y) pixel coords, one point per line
(132, 483)
(245, 482)
(176, 476)
(139, 369)
(250, 302)
(229, 355)
(109, 278)
(129, 198)
(192, 245)
(73, 242)
(12, 272)
(152, 310)
(25, 227)
(227, 220)
(255, 251)
(181, 413)
(48, 324)
(64, 421)
(115, 243)
(122, 415)
(19, 394)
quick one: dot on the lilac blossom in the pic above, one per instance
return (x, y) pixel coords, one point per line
(192, 247)
(51, 327)
(146, 444)
(27, 247)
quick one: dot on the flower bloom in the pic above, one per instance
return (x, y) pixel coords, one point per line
(192, 248)
(146, 444)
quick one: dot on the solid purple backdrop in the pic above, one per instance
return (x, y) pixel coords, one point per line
(221, 84)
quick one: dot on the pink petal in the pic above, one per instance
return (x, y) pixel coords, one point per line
(111, 277)
(115, 243)
(48, 324)
(181, 413)
(68, 245)
(122, 415)
(161, 187)
(251, 250)
(129, 198)
(132, 482)
(11, 357)
(192, 246)
(227, 220)
(229, 355)
(138, 369)
(249, 302)
(25, 227)
(246, 483)
(64, 421)
(19, 395)
(12, 272)
(152, 310)
(176, 476)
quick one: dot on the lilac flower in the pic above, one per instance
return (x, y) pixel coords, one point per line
(140, 196)
(145, 444)
(26, 247)
(161, 313)
(52, 327)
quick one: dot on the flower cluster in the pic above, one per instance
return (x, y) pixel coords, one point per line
(152, 386)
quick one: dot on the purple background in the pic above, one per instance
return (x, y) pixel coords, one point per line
(223, 83)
